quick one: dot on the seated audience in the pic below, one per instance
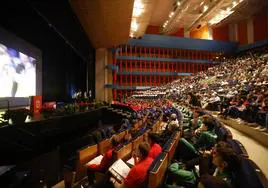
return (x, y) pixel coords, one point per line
(105, 163)
(156, 149)
(173, 123)
(138, 173)
(225, 160)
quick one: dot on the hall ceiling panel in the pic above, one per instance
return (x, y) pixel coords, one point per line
(192, 14)
(161, 12)
(106, 22)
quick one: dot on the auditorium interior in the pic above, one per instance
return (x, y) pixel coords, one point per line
(134, 93)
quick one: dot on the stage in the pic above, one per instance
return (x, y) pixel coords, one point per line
(37, 144)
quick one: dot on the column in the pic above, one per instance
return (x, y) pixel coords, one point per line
(114, 75)
(140, 73)
(120, 68)
(130, 79)
(103, 56)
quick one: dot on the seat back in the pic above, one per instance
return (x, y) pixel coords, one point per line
(97, 136)
(145, 135)
(104, 146)
(137, 141)
(250, 176)
(158, 126)
(171, 145)
(123, 152)
(84, 155)
(157, 171)
(154, 128)
(222, 134)
(121, 135)
(238, 147)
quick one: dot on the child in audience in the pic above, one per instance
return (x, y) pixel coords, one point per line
(105, 163)
(137, 175)
(156, 149)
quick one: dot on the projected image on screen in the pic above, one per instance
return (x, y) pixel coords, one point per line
(17, 73)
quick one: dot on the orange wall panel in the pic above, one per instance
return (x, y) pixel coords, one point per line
(221, 33)
(260, 26)
(201, 33)
(179, 33)
(242, 32)
(153, 30)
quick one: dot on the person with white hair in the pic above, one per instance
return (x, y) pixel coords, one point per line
(173, 123)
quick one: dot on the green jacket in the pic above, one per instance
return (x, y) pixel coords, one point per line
(181, 176)
(207, 138)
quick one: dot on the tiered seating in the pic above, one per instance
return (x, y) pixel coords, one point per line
(249, 175)
(76, 173)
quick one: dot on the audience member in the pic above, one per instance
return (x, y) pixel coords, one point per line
(138, 173)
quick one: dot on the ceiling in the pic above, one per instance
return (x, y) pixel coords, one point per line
(249, 8)
(142, 12)
(109, 22)
(161, 12)
(191, 13)
(106, 22)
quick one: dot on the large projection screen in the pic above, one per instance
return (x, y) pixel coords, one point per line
(20, 70)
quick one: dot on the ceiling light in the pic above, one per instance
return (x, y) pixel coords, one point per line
(171, 14)
(134, 25)
(178, 3)
(234, 3)
(202, 3)
(138, 8)
(220, 16)
(205, 8)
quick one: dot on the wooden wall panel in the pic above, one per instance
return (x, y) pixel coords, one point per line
(152, 30)
(201, 33)
(242, 32)
(221, 33)
(178, 33)
(260, 26)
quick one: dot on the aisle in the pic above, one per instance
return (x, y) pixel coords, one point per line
(256, 152)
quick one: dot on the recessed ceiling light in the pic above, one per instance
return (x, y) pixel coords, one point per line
(234, 3)
(178, 3)
(171, 14)
(205, 8)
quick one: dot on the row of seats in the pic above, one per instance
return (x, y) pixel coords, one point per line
(158, 168)
(124, 151)
(74, 175)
